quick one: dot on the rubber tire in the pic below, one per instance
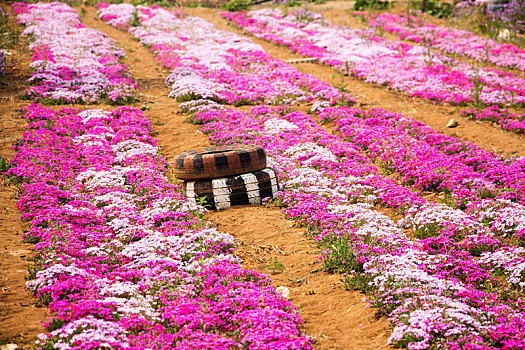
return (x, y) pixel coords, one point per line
(249, 188)
(218, 162)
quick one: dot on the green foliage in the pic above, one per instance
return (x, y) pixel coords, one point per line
(358, 281)
(339, 255)
(236, 5)
(427, 231)
(163, 3)
(32, 271)
(202, 201)
(192, 120)
(371, 5)
(440, 9)
(434, 8)
(4, 165)
(275, 266)
(9, 34)
(135, 22)
(55, 323)
(274, 203)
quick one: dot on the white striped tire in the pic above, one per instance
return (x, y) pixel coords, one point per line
(222, 193)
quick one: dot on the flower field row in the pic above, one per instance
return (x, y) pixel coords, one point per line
(434, 290)
(451, 40)
(416, 70)
(123, 260)
(428, 160)
(503, 117)
(72, 63)
(485, 185)
(208, 63)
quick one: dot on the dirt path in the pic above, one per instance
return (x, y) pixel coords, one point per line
(172, 133)
(335, 318)
(371, 96)
(20, 312)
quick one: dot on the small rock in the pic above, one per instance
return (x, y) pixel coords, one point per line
(198, 132)
(452, 123)
(504, 34)
(8, 347)
(285, 292)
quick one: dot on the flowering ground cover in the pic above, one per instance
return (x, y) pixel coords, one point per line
(503, 117)
(208, 63)
(429, 160)
(489, 187)
(122, 259)
(451, 40)
(440, 290)
(416, 70)
(72, 63)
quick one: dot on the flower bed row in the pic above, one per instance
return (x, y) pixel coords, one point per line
(482, 183)
(463, 43)
(434, 290)
(501, 116)
(415, 70)
(451, 40)
(208, 63)
(122, 259)
(428, 160)
(72, 63)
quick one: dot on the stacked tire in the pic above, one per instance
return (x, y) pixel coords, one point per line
(224, 176)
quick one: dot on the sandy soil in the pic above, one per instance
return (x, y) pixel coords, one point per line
(20, 311)
(333, 317)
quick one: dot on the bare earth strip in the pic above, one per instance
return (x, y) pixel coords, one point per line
(335, 318)
(20, 311)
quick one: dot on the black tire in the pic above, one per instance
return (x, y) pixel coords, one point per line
(217, 162)
(222, 193)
